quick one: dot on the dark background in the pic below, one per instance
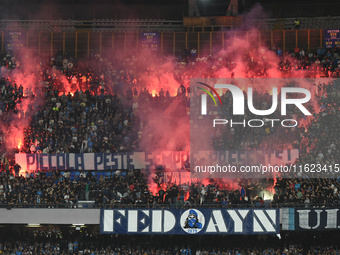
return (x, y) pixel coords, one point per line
(155, 9)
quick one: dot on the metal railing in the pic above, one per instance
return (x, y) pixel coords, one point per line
(81, 38)
(94, 25)
(84, 43)
(183, 205)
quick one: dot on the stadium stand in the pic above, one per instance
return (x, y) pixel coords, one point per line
(84, 119)
(83, 84)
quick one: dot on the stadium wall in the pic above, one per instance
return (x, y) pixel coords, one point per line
(49, 216)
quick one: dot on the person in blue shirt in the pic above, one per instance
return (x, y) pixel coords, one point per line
(75, 245)
(279, 52)
(185, 251)
(243, 192)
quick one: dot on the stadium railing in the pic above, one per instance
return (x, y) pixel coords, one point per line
(185, 205)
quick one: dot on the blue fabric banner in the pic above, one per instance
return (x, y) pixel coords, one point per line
(315, 219)
(190, 221)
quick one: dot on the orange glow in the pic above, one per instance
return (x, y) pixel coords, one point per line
(272, 189)
(186, 196)
(153, 93)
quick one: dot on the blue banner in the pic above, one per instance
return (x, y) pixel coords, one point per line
(190, 221)
(332, 38)
(315, 219)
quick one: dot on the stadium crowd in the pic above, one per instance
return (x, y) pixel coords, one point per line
(24, 248)
(55, 189)
(99, 111)
(53, 240)
(99, 108)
